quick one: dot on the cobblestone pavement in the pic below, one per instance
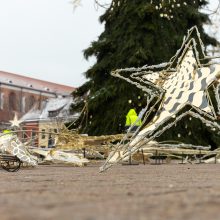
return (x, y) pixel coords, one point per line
(169, 191)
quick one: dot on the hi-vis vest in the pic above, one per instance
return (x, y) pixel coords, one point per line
(132, 118)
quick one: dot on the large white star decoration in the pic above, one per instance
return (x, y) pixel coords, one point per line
(15, 122)
(182, 82)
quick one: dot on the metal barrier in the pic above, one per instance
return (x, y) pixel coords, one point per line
(10, 163)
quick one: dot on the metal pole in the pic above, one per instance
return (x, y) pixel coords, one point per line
(200, 156)
(130, 159)
(143, 156)
(84, 152)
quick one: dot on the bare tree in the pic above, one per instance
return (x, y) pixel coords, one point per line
(213, 10)
(97, 3)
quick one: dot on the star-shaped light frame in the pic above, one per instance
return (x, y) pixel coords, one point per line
(15, 122)
(179, 84)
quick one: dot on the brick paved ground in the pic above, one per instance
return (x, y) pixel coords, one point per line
(169, 191)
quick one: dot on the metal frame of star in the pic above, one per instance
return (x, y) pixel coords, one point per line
(141, 77)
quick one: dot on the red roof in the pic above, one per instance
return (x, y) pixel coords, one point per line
(25, 81)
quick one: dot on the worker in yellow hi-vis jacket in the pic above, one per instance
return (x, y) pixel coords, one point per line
(132, 120)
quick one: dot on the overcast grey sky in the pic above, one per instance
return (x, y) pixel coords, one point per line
(44, 38)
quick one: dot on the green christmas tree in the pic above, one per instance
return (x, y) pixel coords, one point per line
(136, 33)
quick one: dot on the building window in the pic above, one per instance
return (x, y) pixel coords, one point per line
(30, 103)
(51, 141)
(43, 136)
(12, 102)
(33, 138)
(2, 101)
(53, 113)
(23, 104)
(33, 134)
(24, 136)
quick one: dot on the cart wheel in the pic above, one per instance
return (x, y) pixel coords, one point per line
(11, 166)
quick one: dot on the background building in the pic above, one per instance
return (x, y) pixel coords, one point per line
(18, 94)
(39, 126)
